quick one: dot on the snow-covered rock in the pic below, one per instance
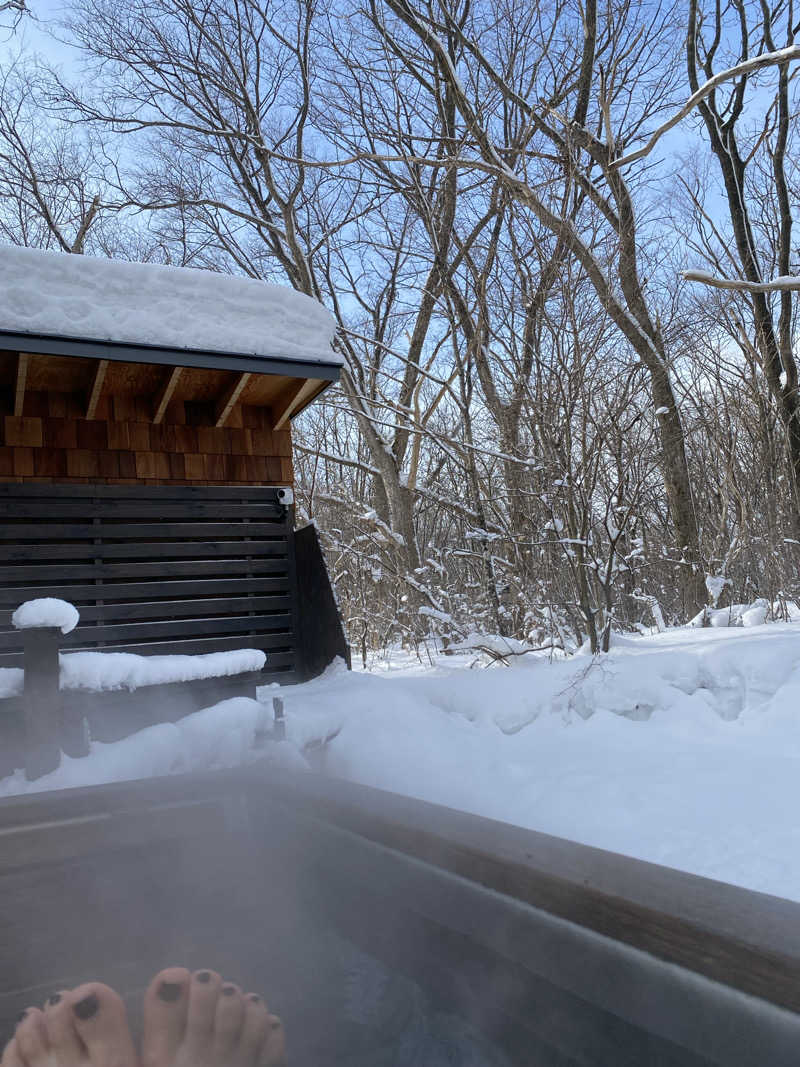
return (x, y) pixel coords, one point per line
(494, 644)
(46, 611)
(754, 614)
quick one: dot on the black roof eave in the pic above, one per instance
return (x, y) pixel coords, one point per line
(50, 345)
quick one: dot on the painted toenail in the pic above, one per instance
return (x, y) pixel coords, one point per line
(87, 1007)
(275, 1026)
(56, 997)
(22, 1015)
(203, 976)
(228, 990)
(254, 998)
(169, 991)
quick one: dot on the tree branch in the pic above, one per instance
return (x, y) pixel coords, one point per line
(768, 59)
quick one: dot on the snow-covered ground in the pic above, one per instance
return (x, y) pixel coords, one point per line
(682, 748)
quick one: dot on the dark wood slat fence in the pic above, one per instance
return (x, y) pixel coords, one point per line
(154, 569)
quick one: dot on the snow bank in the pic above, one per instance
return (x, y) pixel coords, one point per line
(150, 304)
(12, 680)
(495, 645)
(218, 737)
(46, 611)
(754, 614)
(102, 671)
(681, 748)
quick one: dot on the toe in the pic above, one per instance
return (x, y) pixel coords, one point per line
(62, 1037)
(31, 1038)
(273, 1052)
(254, 1029)
(204, 990)
(166, 1004)
(11, 1055)
(101, 1022)
(229, 1019)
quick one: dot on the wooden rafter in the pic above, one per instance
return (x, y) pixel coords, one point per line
(292, 397)
(97, 388)
(165, 395)
(227, 399)
(23, 359)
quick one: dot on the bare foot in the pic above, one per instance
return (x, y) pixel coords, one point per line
(198, 1020)
(84, 1027)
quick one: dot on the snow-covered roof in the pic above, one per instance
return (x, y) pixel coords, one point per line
(82, 298)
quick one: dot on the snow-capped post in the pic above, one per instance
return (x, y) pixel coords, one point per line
(43, 623)
(41, 700)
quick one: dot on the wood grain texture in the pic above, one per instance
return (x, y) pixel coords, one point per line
(85, 420)
(164, 395)
(292, 400)
(22, 431)
(96, 388)
(23, 462)
(750, 941)
(152, 570)
(23, 359)
(115, 451)
(227, 400)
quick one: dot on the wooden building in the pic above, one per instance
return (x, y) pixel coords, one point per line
(145, 454)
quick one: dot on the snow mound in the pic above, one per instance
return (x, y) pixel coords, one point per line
(103, 671)
(150, 304)
(46, 611)
(681, 748)
(754, 614)
(12, 681)
(494, 645)
(218, 737)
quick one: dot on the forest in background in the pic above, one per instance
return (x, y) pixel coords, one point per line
(544, 429)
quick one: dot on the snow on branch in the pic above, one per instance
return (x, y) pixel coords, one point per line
(768, 59)
(786, 283)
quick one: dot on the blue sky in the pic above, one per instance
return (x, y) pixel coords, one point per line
(33, 38)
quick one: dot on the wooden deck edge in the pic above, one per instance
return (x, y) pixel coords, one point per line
(746, 940)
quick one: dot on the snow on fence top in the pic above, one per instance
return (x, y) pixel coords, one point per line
(99, 672)
(102, 671)
(89, 299)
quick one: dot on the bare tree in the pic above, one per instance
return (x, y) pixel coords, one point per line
(50, 177)
(11, 13)
(572, 119)
(469, 189)
(737, 34)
